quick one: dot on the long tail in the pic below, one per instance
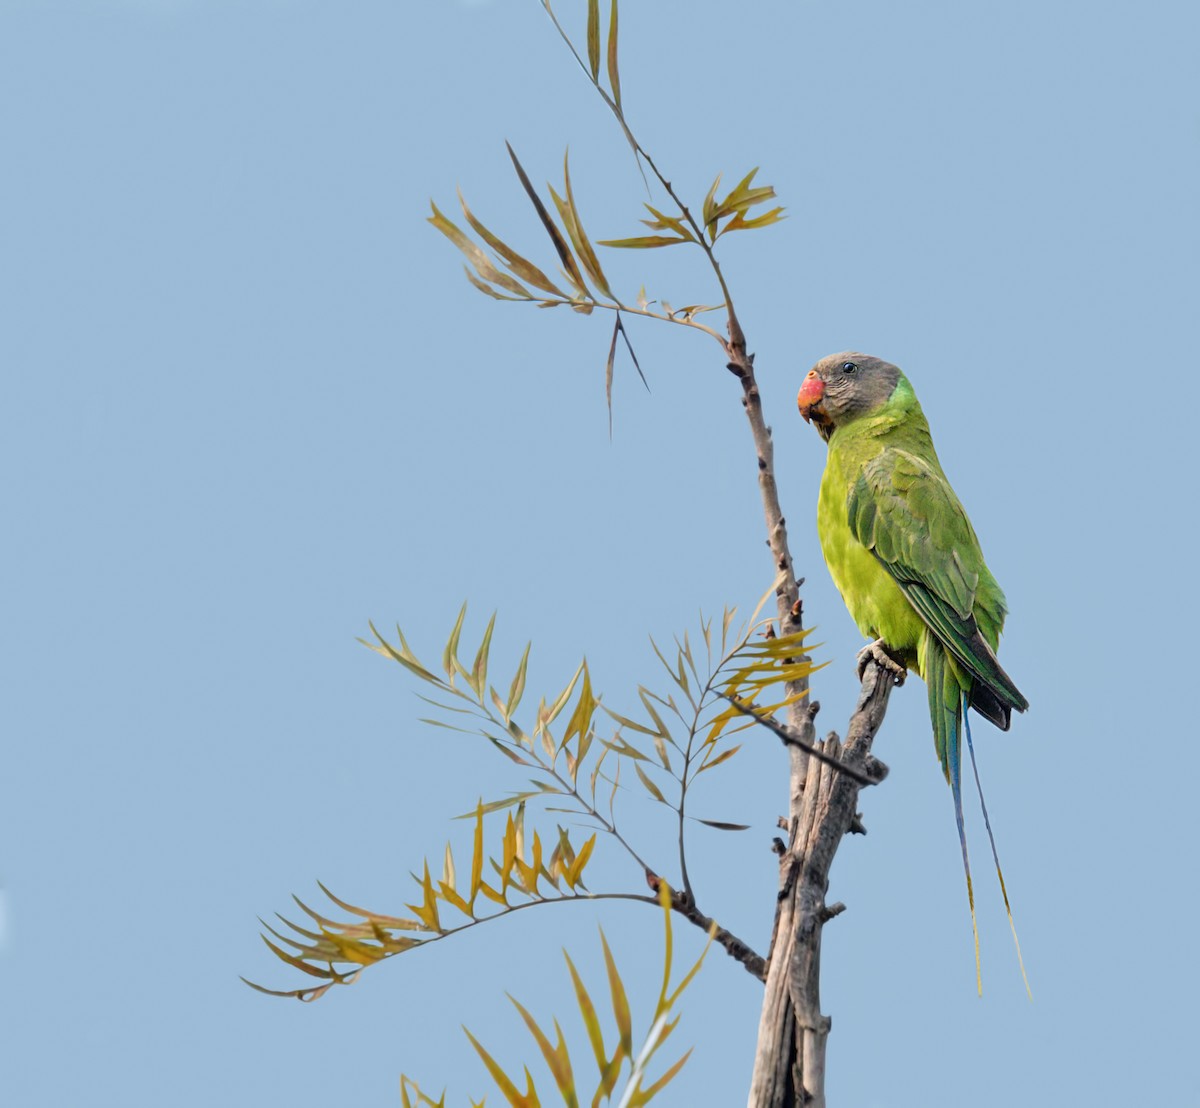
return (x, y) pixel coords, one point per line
(946, 700)
(991, 839)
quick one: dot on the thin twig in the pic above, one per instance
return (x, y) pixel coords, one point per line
(772, 724)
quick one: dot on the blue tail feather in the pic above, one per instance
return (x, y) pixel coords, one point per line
(954, 765)
(946, 707)
(992, 840)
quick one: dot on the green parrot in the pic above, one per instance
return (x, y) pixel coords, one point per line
(907, 562)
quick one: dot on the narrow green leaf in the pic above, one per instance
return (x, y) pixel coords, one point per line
(499, 805)
(662, 222)
(738, 191)
(608, 369)
(651, 787)
(620, 746)
(614, 77)
(690, 975)
(725, 624)
(487, 289)
(477, 258)
(517, 688)
(588, 1011)
(740, 223)
(507, 1089)
(629, 347)
(477, 852)
(404, 656)
(521, 266)
(451, 896)
(710, 209)
(593, 38)
(664, 900)
(644, 1095)
(564, 252)
(724, 756)
(479, 667)
(306, 995)
(620, 1002)
(507, 751)
(625, 721)
(552, 713)
(721, 825)
(643, 242)
(446, 726)
(450, 662)
(644, 695)
(576, 868)
(293, 961)
(556, 1058)
(585, 708)
(569, 212)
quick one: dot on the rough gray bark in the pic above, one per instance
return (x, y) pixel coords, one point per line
(789, 1065)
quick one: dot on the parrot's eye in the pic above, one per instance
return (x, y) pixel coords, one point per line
(849, 367)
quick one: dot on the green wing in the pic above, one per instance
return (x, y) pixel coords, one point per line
(904, 511)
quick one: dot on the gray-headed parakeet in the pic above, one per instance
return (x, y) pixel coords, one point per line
(905, 557)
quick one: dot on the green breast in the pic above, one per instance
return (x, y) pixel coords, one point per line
(873, 598)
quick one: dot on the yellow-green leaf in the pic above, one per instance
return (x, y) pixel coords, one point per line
(404, 656)
(740, 223)
(569, 213)
(477, 258)
(581, 719)
(709, 208)
(620, 1002)
(575, 872)
(564, 252)
(644, 1095)
(643, 242)
(477, 852)
(450, 896)
(478, 676)
(651, 787)
(517, 689)
(551, 714)
(507, 1089)
(556, 1057)
(450, 662)
(724, 756)
(487, 289)
(521, 266)
(588, 1011)
(593, 38)
(614, 78)
(427, 911)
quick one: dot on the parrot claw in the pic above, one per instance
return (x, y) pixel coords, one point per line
(877, 652)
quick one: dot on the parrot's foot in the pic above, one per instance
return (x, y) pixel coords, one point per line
(877, 652)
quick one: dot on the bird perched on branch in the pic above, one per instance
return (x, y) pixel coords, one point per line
(907, 562)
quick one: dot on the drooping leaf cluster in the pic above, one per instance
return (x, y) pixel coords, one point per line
(580, 282)
(577, 771)
(610, 1062)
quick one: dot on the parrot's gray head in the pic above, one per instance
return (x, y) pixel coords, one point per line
(844, 386)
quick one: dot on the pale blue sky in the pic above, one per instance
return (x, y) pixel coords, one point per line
(249, 403)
